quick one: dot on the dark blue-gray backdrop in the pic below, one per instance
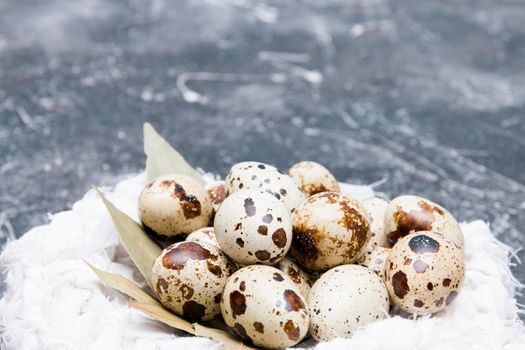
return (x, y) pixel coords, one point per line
(424, 97)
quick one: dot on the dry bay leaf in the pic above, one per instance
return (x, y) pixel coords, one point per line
(164, 159)
(228, 340)
(159, 313)
(142, 249)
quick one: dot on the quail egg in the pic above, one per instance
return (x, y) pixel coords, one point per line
(217, 193)
(174, 204)
(424, 272)
(264, 177)
(375, 261)
(189, 278)
(204, 235)
(406, 214)
(262, 305)
(253, 227)
(329, 229)
(343, 299)
(312, 178)
(375, 208)
(296, 274)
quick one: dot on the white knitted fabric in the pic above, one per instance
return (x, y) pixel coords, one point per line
(54, 301)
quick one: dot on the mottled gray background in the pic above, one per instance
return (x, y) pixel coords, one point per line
(423, 97)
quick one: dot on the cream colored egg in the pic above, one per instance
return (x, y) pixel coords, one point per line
(376, 261)
(267, 178)
(204, 235)
(262, 305)
(329, 229)
(375, 208)
(217, 194)
(296, 274)
(424, 272)
(343, 299)
(174, 204)
(189, 278)
(253, 227)
(406, 214)
(312, 178)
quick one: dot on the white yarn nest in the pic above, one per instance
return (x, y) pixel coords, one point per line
(54, 301)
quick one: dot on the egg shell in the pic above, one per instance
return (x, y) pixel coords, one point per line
(204, 235)
(313, 178)
(343, 299)
(217, 194)
(189, 278)
(376, 261)
(262, 305)
(375, 208)
(296, 274)
(406, 214)
(253, 227)
(267, 178)
(329, 229)
(174, 204)
(424, 272)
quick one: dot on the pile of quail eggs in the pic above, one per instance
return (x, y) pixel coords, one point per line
(284, 256)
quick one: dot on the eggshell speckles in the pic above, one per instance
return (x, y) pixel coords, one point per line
(329, 229)
(174, 204)
(343, 299)
(406, 214)
(204, 235)
(375, 208)
(189, 278)
(264, 177)
(296, 274)
(313, 178)
(424, 272)
(262, 305)
(253, 227)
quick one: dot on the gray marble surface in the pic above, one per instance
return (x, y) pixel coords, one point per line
(414, 96)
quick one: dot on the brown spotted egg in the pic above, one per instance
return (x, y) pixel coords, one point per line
(312, 178)
(262, 305)
(253, 227)
(217, 193)
(343, 299)
(406, 214)
(375, 261)
(375, 208)
(204, 235)
(267, 178)
(329, 229)
(174, 204)
(296, 274)
(189, 278)
(424, 272)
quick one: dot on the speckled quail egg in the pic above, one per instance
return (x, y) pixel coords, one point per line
(329, 229)
(406, 214)
(174, 204)
(375, 261)
(204, 235)
(189, 278)
(253, 227)
(343, 299)
(262, 305)
(312, 178)
(375, 208)
(217, 193)
(264, 177)
(296, 274)
(424, 272)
